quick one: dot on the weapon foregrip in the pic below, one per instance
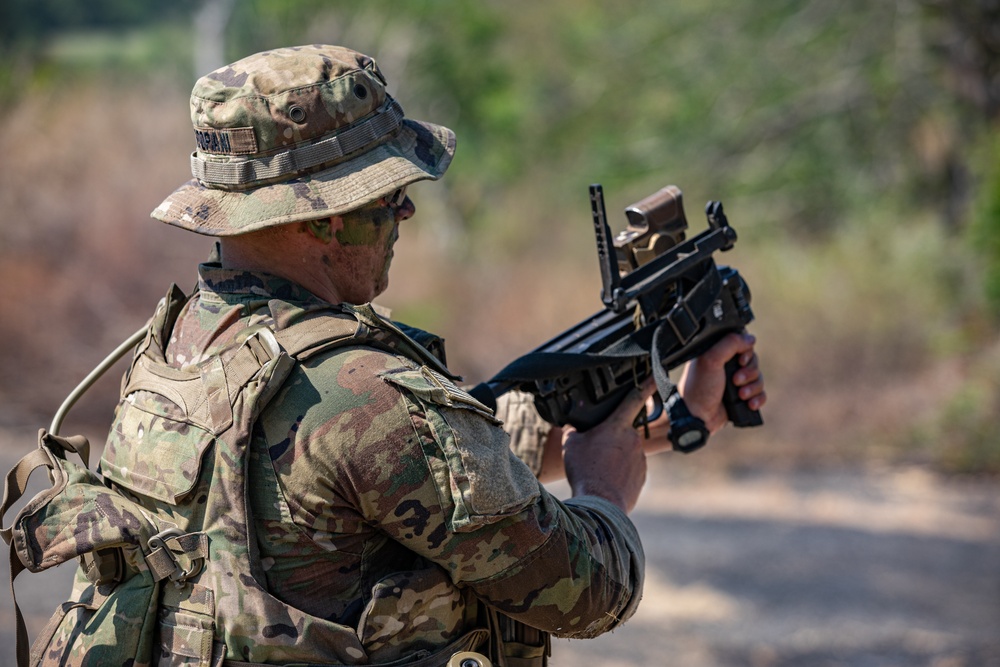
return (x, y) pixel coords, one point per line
(737, 409)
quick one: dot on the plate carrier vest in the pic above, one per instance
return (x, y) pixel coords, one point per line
(181, 584)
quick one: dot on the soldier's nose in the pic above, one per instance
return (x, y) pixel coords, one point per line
(405, 210)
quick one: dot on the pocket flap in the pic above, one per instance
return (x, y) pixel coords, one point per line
(427, 384)
(152, 451)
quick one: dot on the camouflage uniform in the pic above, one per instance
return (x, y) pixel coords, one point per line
(387, 500)
(337, 503)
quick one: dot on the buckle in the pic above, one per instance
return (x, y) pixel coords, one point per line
(263, 345)
(682, 321)
(163, 561)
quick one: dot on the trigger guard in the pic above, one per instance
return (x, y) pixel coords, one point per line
(657, 409)
(644, 418)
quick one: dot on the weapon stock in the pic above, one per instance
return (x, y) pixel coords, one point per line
(665, 302)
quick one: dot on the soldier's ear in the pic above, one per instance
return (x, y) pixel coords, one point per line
(324, 229)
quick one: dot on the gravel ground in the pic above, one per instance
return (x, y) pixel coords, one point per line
(772, 569)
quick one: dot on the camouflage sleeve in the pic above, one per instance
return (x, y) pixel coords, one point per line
(431, 468)
(526, 428)
(574, 569)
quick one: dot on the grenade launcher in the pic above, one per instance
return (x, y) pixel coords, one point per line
(665, 302)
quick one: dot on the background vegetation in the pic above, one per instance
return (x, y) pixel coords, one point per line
(855, 145)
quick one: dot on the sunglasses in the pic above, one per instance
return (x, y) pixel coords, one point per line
(396, 199)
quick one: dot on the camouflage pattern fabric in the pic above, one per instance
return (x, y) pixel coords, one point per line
(111, 623)
(299, 133)
(526, 428)
(385, 501)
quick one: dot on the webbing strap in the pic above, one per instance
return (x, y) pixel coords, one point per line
(664, 385)
(346, 325)
(17, 482)
(387, 332)
(22, 645)
(306, 337)
(177, 556)
(385, 121)
(17, 477)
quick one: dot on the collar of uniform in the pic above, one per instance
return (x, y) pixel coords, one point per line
(229, 285)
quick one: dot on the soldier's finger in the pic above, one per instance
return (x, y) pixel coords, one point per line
(754, 394)
(633, 402)
(747, 374)
(728, 347)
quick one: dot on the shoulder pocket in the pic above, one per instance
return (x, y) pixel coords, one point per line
(428, 385)
(477, 476)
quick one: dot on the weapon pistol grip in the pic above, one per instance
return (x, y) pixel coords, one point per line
(737, 409)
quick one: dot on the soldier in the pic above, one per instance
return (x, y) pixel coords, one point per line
(386, 517)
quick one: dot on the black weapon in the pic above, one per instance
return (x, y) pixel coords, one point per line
(665, 302)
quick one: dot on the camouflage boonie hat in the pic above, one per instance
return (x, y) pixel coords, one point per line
(299, 133)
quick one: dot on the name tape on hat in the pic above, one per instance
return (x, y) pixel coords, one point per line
(231, 141)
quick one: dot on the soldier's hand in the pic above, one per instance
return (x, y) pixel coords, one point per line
(608, 460)
(704, 380)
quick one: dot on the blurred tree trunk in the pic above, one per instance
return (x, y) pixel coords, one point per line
(209, 29)
(965, 36)
(969, 38)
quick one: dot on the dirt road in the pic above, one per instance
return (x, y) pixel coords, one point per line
(821, 569)
(812, 570)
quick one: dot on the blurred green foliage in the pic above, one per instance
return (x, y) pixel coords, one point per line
(985, 232)
(962, 436)
(862, 135)
(812, 109)
(26, 23)
(814, 106)
(52, 42)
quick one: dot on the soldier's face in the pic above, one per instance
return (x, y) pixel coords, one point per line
(365, 239)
